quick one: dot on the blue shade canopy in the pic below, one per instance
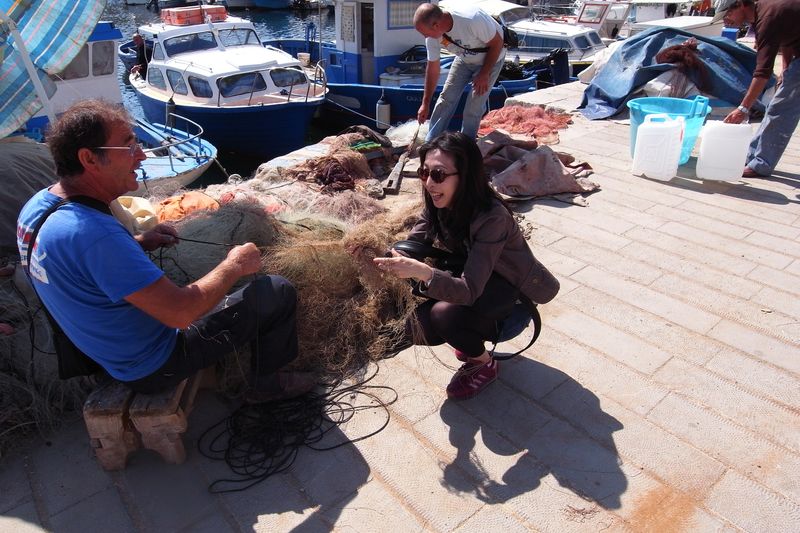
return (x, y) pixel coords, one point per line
(53, 32)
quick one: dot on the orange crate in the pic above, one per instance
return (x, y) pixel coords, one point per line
(215, 13)
(182, 16)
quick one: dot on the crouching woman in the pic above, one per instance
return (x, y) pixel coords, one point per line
(463, 215)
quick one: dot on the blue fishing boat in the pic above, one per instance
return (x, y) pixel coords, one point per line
(176, 152)
(273, 4)
(376, 65)
(212, 68)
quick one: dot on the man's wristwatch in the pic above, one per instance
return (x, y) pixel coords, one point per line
(743, 109)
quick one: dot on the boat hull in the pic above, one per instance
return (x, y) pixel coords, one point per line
(273, 4)
(261, 131)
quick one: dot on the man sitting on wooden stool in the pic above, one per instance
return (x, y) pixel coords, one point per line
(114, 304)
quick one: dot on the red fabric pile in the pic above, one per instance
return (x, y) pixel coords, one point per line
(534, 121)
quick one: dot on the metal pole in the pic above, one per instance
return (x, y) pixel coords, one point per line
(319, 12)
(31, 69)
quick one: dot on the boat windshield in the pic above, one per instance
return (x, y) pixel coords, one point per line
(515, 14)
(192, 42)
(239, 84)
(238, 37)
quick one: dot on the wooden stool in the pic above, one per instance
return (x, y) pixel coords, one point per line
(120, 421)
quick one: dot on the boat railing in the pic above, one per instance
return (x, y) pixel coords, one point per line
(175, 144)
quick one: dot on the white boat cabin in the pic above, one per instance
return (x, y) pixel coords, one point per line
(220, 63)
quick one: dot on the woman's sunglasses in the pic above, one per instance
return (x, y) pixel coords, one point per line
(438, 175)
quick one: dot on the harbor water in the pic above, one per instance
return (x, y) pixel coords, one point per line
(270, 24)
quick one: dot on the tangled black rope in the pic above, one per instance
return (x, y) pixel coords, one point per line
(260, 440)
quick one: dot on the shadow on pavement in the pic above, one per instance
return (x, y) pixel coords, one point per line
(544, 429)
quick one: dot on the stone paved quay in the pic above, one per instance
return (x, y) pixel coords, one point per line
(663, 394)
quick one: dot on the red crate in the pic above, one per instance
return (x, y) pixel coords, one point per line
(182, 16)
(215, 13)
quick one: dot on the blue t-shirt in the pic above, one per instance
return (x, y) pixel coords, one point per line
(84, 264)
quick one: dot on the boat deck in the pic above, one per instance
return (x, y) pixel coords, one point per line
(663, 394)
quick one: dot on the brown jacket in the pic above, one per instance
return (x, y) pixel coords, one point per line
(496, 244)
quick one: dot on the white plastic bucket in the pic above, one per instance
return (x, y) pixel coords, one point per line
(723, 151)
(658, 147)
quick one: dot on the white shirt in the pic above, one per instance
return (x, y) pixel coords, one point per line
(472, 28)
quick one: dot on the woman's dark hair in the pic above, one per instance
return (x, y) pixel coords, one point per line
(86, 124)
(473, 194)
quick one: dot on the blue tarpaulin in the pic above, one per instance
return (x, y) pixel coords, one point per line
(729, 68)
(53, 33)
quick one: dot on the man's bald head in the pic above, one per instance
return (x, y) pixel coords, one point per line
(427, 14)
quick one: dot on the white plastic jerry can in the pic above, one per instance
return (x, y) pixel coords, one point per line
(658, 147)
(723, 151)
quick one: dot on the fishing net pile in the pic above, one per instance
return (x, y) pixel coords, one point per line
(348, 313)
(32, 397)
(534, 121)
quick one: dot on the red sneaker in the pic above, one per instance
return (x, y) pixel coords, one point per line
(471, 379)
(461, 356)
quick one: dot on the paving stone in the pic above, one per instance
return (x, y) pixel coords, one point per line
(494, 518)
(732, 247)
(760, 346)
(750, 506)
(692, 252)
(557, 263)
(567, 228)
(211, 524)
(775, 300)
(650, 300)
(738, 448)
(741, 219)
(597, 373)
(14, 480)
(779, 279)
(530, 377)
(415, 398)
(705, 274)
(372, 508)
(414, 474)
(794, 268)
(667, 336)
(635, 188)
(102, 508)
(746, 312)
(700, 222)
(625, 207)
(66, 471)
(166, 506)
(731, 401)
(625, 348)
(586, 217)
(613, 262)
(21, 519)
(761, 378)
(275, 504)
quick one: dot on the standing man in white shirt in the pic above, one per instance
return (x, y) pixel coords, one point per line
(477, 41)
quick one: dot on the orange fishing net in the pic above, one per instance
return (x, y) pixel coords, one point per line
(534, 121)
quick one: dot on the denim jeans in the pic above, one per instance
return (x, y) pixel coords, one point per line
(460, 75)
(261, 314)
(780, 121)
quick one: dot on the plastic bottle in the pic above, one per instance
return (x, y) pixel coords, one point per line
(658, 147)
(723, 151)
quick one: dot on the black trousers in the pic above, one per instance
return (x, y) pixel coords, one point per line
(261, 314)
(465, 328)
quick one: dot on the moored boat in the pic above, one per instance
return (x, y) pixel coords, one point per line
(375, 69)
(176, 152)
(212, 68)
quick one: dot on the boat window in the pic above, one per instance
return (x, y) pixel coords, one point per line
(79, 68)
(176, 82)
(241, 84)
(287, 77)
(581, 42)
(238, 37)
(592, 14)
(401, 13)
(156, 78)
(594, 38)
(190, 43)
(543, 44)
(200, 87)
(515, 15)
(104, 58)
(158, 52)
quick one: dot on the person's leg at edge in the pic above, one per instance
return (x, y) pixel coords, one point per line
(475, 105)
(780, 121)
(460, 75)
